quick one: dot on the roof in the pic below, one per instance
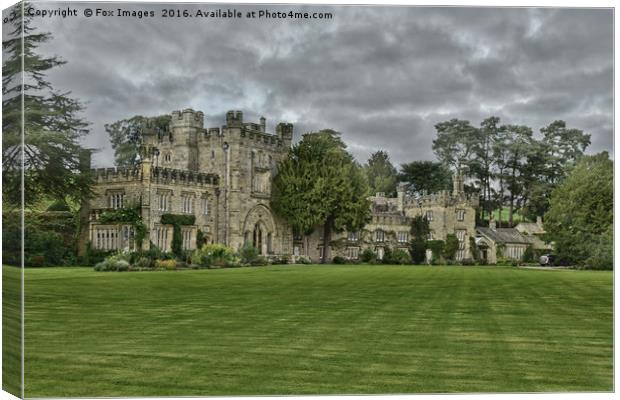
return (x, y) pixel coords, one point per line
(503, 235)
(531, 228)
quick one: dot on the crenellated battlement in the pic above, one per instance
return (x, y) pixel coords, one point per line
(284, 130)
(181, 177)
(187, 118)
(119, 174)
(443, 198)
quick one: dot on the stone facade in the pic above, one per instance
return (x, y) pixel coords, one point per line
(223, 177)
(448, 212)
(220, 175)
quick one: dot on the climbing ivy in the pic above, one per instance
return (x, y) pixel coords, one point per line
(176, 220)
(130, 215)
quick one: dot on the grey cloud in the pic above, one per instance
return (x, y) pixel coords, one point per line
(383, 76)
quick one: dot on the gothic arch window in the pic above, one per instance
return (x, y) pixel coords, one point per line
(167, 157)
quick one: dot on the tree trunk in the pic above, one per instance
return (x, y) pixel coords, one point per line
(327, 232)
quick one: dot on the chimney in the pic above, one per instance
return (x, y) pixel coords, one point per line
(492, 225)
(263, 124)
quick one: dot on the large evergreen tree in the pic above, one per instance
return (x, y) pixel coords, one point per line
(425, 176)
(51, 126)
(320, 184)
(381, 174)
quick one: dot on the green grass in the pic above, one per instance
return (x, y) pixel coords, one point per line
(316, 329)
(11, 331)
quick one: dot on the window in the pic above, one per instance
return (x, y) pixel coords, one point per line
(379, 236)
(353, 253)
(188, 203)
(353, 236)
(461, 234)
(429, 215)
(163, 201)
(403, 237)
(430, 235)
(116, 200)
(205, 206)
(460, 215)
(161, 237)
(187, 239)
(212, 154)
(321, 252)
(167, 157)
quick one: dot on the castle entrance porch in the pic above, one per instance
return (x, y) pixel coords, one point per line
(259, 229)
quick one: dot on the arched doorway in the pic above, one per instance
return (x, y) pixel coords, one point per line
(259, 229)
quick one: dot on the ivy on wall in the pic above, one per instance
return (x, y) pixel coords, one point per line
(177, 220)
(131, 216)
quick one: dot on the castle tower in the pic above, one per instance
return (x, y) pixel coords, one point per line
(186, 126)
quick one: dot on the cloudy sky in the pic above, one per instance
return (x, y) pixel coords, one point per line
(383, 76)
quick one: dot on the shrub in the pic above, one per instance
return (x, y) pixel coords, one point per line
(339, 260)
(215, 255)
(303, 260)
(468, 261)
(116, 262)
(143, 263)
(528, 254)
(278, 260)
(436, 247)
(166, 264)
(399, 257)
(249, 254)
(368, 256)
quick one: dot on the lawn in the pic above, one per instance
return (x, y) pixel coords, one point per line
(316, 329)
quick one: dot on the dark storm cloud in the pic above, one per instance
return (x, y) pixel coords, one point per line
(383, 76)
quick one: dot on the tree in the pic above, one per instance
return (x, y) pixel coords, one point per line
(126, 135)
(482, 166)
(452, 246)
(518, 145)
(580, 216)
(320, 183)
(381, 174)
(425, 176)
(419, 236)
(456, 143)
(564, 147)
(51, 126)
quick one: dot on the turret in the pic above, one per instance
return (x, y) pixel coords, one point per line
(263, 124)
(285, 132)
(234, 118)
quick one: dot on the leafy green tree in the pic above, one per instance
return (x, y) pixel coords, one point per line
(425, 176)
(381, 174)
(564, 147)
(51, 126)
(320, 183)
(580, 216)
(126, 135)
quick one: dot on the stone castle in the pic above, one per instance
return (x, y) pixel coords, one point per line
(222, 176)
